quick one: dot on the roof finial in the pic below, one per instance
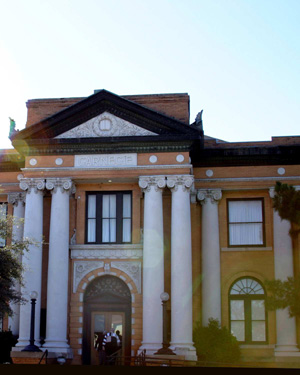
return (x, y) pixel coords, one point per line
(198, 120)
(12, 128)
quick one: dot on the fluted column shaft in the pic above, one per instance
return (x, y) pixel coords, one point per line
(211, 264)
(18, 202)
(32, 260)
(283, 262)
(181, 263)
(58, 266)
(153, 262)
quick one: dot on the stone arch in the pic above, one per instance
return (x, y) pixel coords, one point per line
(107, 293)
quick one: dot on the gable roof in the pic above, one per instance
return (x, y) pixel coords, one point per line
(44, 136)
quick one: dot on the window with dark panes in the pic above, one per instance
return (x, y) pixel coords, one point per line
(109, 217)
(245, 222)
(247, 311)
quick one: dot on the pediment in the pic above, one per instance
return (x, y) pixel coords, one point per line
(106, 125)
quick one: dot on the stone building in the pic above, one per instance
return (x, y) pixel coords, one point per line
(133, 200)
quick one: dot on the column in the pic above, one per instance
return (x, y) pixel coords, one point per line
(211, 264)
(18, 202)
(286, 344)
(153, 262)
(58, 265)
(181, 267)
(32, 260)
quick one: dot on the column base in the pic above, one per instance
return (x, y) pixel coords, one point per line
(56, 346)
(186, 350)
(22, 343)
(151, 348)
(286, 351)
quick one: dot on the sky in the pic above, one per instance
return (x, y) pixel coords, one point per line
(239, 60)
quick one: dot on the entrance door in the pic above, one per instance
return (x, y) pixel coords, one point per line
(103, 321)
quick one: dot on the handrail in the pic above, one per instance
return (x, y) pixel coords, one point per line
(44, 354)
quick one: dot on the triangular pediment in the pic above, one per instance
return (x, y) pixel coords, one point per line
(106, 125)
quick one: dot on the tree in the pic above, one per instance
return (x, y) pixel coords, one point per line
(10, 266)
(285, 294)
(286, 202)
(215, 344)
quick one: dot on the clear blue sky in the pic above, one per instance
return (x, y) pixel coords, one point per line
(239, 60)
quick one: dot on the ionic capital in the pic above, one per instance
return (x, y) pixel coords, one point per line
(16, 198)
(185, 181)
(64, 184)
(148, 182)
(35, 184)
(214, 195)
(272, 192)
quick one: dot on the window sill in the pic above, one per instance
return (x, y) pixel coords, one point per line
(247, 248)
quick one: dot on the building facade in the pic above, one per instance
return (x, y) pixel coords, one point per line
(127, 199)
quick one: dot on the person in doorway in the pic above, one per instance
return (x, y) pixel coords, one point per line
(120, 338)
(110, 346)
(99, 346)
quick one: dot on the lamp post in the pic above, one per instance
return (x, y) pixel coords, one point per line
(165, 350)
(31, 347)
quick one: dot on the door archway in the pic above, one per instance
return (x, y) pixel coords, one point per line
(107, 302)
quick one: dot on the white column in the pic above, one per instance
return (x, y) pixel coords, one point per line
(153, 262)
(211, 265)
(181, 267)
(32, 260)
(286, 344)
(58, 265)
(18, 202)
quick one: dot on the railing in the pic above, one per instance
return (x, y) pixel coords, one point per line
(45, 354)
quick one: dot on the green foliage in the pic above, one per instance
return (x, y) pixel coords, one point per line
(284, 294)
(286, 202)
(215, 344)
(7, 341)
(10, 265)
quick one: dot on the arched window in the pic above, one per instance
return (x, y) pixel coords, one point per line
(247, 311)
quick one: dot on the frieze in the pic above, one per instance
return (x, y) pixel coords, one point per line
(105, 160)
(132, 251)
(105, 125)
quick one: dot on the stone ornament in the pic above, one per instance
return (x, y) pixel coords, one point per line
(105, 125)
(27, 184)
(179, 158)
(83, 268)
(16, 198)
(104, 252)
(33, 162)
(214, 195)
(147, 182)
(64, 184)
(185, 181)
(133, 270)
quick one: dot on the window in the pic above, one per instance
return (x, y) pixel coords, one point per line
(108, 217)
(247, 311)
(245, 222)
(3, 214)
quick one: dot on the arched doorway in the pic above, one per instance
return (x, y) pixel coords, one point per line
(107, 303)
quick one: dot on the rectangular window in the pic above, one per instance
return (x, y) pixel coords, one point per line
(109, 217)
(245, 222)
(3, 214)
